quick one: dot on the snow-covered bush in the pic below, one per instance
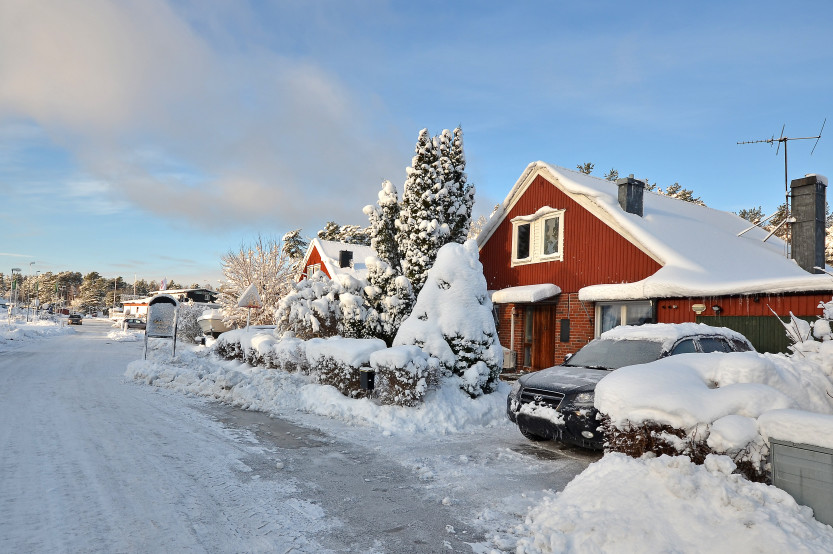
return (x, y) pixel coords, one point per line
(187, 328)
(310, 309)
(403, 375)
(289, 354)
(337, 361)
(699, 404)
(452, 320)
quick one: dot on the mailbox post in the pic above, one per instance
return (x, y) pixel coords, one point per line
(161, 323)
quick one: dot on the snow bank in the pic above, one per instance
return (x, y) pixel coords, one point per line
(669, 504)
(125, 336)
(445, 411)
(18, 333)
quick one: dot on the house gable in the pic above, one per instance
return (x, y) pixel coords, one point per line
(593, 252)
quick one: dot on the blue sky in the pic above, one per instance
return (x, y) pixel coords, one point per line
(149, 138)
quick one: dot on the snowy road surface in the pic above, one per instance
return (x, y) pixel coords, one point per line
(92, 462)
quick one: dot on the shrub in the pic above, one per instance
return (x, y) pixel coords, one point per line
(403, 375)
(655, 439)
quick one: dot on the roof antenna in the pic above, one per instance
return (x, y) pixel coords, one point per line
(783, 139)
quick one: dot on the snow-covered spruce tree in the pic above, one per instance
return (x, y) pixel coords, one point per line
(452, 320)
(383, 217)
(419, 233)
(460, 198)
(264, 262)
(389, 299)
(436, 203)
(295, 246)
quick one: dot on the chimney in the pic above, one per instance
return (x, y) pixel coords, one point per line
(631, 192)
(344, 258)
(808, 230)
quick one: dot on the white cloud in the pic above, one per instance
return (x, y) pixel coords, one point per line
(238, 132)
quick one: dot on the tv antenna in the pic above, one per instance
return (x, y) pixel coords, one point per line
(785, 140)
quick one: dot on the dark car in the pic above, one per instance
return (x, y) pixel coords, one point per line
(74, 319)
(557, 403)
(134, 323)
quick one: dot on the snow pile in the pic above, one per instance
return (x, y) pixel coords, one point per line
(125, 335)
(669, 504)
(446, 410)
(350, 352)
(452, 319)
(17, 333)
(718, 397)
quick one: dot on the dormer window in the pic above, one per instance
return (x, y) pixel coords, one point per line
(538, 237)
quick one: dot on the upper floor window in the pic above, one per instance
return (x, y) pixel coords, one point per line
(311, 269)
(539, 237)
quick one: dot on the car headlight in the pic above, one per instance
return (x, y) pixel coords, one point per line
(516, 388)
(584, 399)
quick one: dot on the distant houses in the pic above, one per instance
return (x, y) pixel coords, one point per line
(569, 256)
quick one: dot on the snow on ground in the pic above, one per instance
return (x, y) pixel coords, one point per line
(446, 411)
(617, 504)
(16, 333)
(668, 504)
(125, 335)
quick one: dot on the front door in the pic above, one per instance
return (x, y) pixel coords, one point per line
(543, 336)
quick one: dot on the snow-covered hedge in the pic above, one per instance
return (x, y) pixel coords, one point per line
(337, 361)
(697, 404)
(403, 375)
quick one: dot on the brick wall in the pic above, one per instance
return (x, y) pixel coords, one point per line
(566, 306)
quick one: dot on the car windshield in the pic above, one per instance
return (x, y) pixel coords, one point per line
(613, 354)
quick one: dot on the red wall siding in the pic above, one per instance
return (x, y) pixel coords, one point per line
(679, 310)
(314, 258)
(593, 252)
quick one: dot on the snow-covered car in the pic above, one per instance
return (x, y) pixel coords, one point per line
(74, 319)
(557, 403)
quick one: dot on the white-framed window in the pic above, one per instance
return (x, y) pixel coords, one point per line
(613, 314)
(539, 237)
(311, 269)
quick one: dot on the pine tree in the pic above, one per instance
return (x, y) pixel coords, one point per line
(460, 192)
(389, 298)
(294, 245)
(383, 217)
(436, 203)
(586, 168)
(612, 175)
(419, 226)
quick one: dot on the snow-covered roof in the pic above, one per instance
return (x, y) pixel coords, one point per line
(329, 252)
(525, 294)
(698, 247)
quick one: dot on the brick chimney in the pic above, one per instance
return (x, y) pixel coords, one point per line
(631, 192)
(808, 230)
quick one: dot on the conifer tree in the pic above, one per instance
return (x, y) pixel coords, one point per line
(383, 217)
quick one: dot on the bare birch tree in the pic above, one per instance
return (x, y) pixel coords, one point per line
(263, 262)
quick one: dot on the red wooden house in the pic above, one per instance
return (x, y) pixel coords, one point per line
(570, 256)
(335, 258)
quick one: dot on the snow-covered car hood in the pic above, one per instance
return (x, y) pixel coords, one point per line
(565, 379)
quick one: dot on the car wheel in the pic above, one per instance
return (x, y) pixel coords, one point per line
(531, 436)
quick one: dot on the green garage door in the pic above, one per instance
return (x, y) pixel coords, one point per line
(766, 333)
